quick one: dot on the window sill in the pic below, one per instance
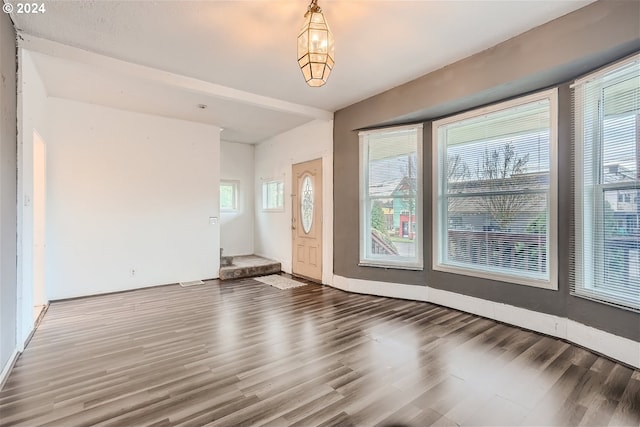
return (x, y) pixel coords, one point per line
(608, 298)
(507, 278)
(388, 266)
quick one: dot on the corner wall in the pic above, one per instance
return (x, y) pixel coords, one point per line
(236, 228)
(547, 56)
(273, 160)
(31, 92)
(129, 200)
(8, 194)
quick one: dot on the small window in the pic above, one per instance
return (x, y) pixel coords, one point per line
(391, 198)
(273, 195)
(606, 263)
(228, 196)
(495, 186)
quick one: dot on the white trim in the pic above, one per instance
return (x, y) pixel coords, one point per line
(396, 265)
(619, 348)
(494, 275)
(601, 72)
(616, 347)
(505, 105)
(390, 128)
(8, 367)
(383, 289)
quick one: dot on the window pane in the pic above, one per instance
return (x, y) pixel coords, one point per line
(486, 232)
(621, 245)
(280, 195)
(391, 223)
(228, 196)
(495, 191)
(620, 105)
(306, 207)
(273, 195)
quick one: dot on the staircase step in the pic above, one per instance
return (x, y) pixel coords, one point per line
(249, 266)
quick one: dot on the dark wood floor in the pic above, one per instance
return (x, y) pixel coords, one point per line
(245, 353)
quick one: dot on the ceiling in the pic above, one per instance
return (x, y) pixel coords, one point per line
(239, 57)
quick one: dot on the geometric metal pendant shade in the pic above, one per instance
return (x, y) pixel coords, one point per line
(316, 47)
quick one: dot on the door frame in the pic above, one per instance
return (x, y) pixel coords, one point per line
(39, 206)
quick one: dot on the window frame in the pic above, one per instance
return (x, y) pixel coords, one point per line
(266, 182)
(439, 208)
(587, 270)
(235, 184)
(414, 263)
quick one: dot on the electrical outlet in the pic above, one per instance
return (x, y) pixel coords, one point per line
(133, 272)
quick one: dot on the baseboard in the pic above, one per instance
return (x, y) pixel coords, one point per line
(36, 323)
(123, 291)
(41, 315)
(619, 348)
(8, 367)
(6, 370)
(613, 346)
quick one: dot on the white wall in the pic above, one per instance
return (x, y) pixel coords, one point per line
(32, 118)
(8, 277)
(274, 159)
(236, 228)
(128, 191)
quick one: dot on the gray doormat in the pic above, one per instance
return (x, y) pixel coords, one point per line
(280, 282)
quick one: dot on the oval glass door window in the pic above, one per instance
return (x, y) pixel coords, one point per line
(306, 204)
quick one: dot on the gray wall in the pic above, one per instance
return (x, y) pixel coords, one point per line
(8, 168)
(548, 56)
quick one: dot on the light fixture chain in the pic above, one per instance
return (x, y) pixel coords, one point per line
(313, 8)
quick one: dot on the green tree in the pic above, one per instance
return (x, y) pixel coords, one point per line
(378, 221)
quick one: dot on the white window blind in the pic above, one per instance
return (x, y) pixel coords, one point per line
(391, 197)
(606, 263)
(495, 181)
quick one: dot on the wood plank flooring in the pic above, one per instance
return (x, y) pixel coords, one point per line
(242, 353)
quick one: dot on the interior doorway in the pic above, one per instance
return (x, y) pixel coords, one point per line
(306, 220)
(39, 223)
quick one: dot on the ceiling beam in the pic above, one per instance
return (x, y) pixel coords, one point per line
(59, 50)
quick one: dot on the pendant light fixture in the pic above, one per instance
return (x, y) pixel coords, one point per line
(315, 47)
